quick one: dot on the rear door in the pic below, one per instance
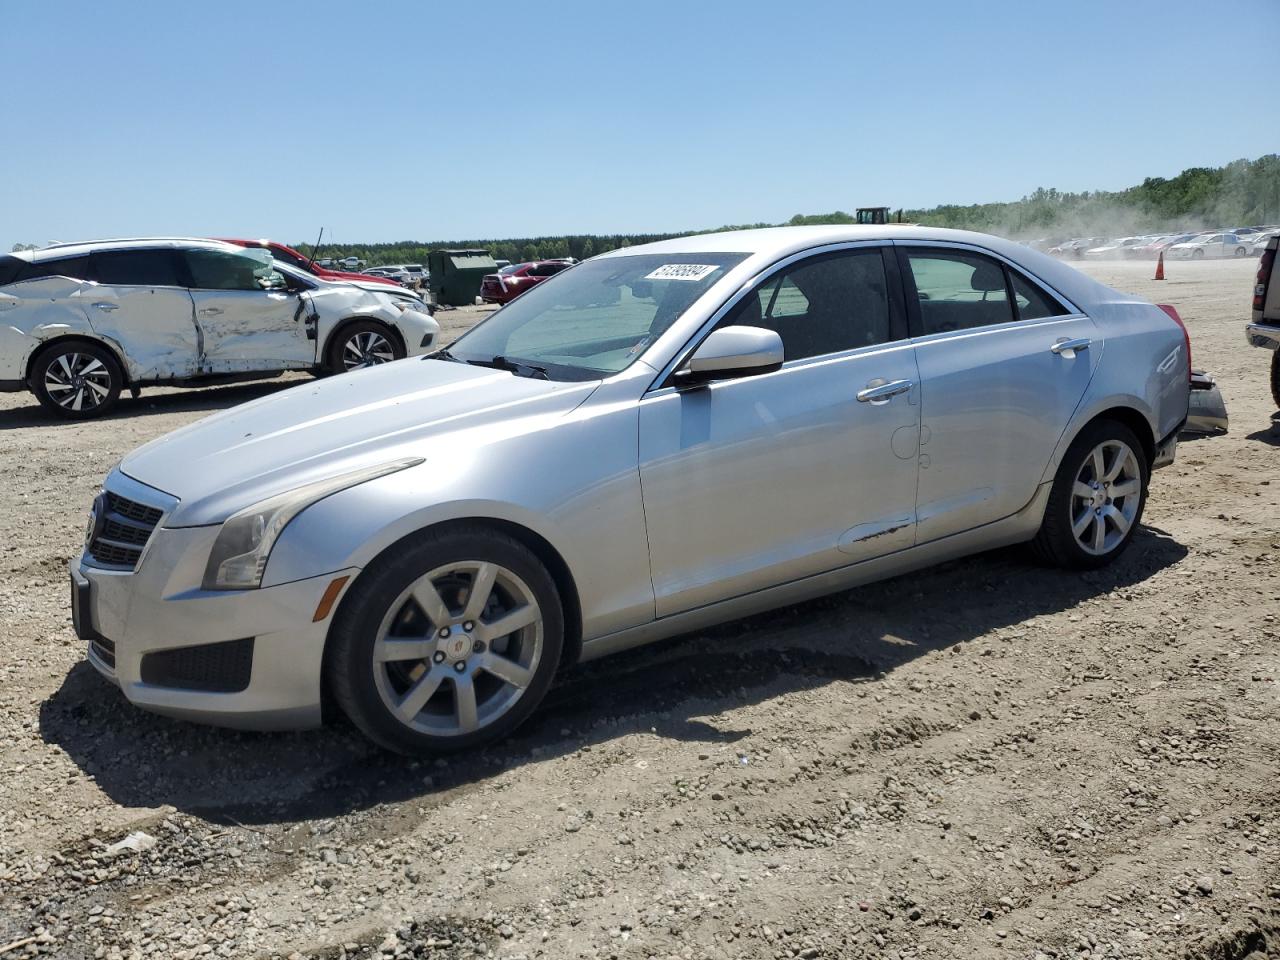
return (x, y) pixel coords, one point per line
(1003, 365)
(141, 304)
(247, 323)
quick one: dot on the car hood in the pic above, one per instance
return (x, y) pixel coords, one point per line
(412, 408)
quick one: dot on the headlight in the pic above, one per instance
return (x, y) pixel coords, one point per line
(239, 555)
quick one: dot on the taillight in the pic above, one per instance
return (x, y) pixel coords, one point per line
(1186, 336)
(1264, 277)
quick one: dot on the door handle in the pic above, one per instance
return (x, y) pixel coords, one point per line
(1067, 348)
(108, 307)
(210, 311)
(878, 393)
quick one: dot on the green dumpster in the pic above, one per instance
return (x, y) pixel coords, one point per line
(456, 275)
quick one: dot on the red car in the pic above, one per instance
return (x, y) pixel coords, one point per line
(509, 282)
(295, 259)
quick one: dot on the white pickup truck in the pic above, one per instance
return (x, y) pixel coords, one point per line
(1264, 331)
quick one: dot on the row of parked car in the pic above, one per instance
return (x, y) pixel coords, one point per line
(84, 321)
(411, 275)
(1200, 245)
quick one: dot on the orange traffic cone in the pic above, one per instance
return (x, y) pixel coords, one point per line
(1160, 267)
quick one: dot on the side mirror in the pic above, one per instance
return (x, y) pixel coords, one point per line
(731, 352)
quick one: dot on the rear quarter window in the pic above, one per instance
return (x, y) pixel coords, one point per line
(1032, 302)
(77, 268)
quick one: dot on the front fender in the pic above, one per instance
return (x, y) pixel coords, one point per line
(574, 484)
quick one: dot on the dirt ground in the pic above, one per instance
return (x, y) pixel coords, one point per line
(986, 759)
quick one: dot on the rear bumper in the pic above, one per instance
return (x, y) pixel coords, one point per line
(1207, 411)
(1262, 335)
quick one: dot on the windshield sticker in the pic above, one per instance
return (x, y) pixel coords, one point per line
(683, 271)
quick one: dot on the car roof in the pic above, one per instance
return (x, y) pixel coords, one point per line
(61, 250)
(770, 244)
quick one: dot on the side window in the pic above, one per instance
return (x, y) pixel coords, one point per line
(225, 270)
(958, 291)
(825, 305)
(1033, 303)
(77, 268)
(136, 268)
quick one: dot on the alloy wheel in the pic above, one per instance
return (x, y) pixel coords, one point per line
(366, 349)
(1105, 497)
(77, 381)
(458, 648)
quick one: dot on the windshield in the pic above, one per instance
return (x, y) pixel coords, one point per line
(594, 320)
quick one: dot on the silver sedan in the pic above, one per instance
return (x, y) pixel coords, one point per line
(662, 438)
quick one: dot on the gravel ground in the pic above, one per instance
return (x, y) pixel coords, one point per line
(986, 759)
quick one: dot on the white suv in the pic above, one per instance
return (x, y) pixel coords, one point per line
(79, 322)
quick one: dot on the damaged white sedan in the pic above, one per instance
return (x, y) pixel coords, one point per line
(81, 322)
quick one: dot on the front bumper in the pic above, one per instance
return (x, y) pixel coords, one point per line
(124, 616)
(1264, 335)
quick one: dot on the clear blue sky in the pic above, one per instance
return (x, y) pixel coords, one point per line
(420, 120)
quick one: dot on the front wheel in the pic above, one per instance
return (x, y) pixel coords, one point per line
(448, 644)
(1097, 499)
(1239, 252)
(77, 380)
(1197, 255)
(365, 343)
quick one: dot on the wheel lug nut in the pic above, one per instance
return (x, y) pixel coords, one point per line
(438, 656)
(478, 647)
(444, 632)
(460, 666)
(468, 626)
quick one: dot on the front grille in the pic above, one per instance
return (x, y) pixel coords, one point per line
(213, 667)
(125, 529)
(132, 510)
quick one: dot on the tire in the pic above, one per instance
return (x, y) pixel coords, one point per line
(404, 683)
(1275, 378)
(365, 343)
(77, 379)
(1239, 252)
(1069, 533)
(1197, 254)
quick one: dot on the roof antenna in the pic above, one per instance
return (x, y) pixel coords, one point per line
(315, 248)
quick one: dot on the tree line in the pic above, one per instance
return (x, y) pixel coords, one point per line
(1244, 192)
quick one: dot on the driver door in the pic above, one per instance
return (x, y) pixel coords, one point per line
(246, 323)
(752, 482)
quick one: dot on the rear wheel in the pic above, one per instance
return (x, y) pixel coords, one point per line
(1097, 498)
(1239, 252)
(77, 380)
(365, 343)
(447, 645)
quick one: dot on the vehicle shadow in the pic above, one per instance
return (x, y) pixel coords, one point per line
(197, 400)
(1268, 435)
(676, 689)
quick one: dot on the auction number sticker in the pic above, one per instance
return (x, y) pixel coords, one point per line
(682, 271)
